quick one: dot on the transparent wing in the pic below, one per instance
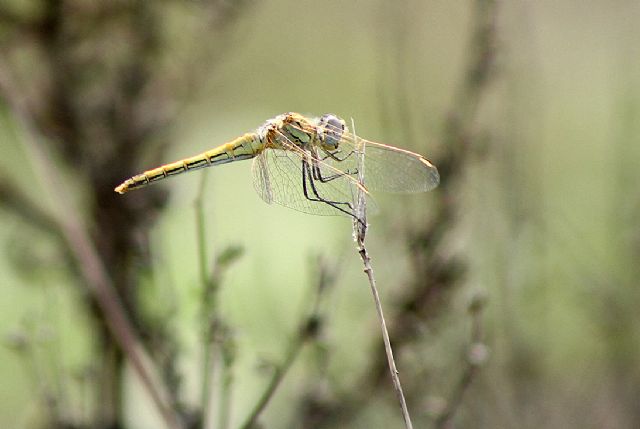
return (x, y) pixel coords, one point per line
(388, 168)
(278, 178)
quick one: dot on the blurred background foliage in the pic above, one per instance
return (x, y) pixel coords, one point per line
(511, 290)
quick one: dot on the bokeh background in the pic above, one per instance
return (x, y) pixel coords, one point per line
(511, 291)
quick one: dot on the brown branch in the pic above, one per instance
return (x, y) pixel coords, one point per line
(360, 232)
(366, 261)
(89, 263)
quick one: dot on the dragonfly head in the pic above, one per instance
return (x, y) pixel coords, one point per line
(330, 130)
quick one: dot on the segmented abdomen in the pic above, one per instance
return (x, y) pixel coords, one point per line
(247, 146)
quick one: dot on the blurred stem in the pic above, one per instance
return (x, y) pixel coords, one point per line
(80, 245)
(225, 393)
(278, 375)
(56, 367)
(479, 70)
(476, 355)
(208, 304)
(201, 232)
(308, 329)
(216, 343)
(23, 344)
(12, 198)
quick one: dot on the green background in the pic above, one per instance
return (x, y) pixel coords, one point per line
(547, 223)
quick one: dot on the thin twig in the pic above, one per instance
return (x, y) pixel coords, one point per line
(278, 375)
(228, 358)
(366, 260)
(309, 328)
(220, 335)
(203, 259)
(207, 325)
(360, 232)
(217, 345)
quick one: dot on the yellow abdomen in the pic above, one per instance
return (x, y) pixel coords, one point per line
(247, 146)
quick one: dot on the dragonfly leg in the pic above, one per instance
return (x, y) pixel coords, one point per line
(317, 174)
(306, 173)
(334, 155)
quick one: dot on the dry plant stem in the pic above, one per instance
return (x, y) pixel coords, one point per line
(91, 268)
(366, 260)
(360, 232)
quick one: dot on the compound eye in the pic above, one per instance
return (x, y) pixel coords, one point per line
(330, 130)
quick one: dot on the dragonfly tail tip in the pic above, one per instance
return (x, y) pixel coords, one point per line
(121, 189)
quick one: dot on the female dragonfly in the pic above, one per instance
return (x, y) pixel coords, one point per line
(309, 164)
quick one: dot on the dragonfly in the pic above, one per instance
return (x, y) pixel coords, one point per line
(310, 165)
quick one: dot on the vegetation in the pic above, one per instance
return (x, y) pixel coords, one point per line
(509, 292)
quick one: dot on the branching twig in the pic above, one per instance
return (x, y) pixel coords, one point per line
(220, 334)
(309, 329)
(218, 347)
(360, 231)
(228, 355)
(278, 375)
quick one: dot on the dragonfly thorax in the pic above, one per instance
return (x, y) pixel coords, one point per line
(296, 133)
(287, 129)
(330, 131)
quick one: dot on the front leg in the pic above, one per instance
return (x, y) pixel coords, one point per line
(335, 155)
(309, 185)
(317, 172)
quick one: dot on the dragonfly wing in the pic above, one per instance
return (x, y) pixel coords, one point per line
(396, 170)
(261, 179)
(388, 168)
(278, 178)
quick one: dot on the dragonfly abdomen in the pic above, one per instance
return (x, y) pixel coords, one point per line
(247, 146)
